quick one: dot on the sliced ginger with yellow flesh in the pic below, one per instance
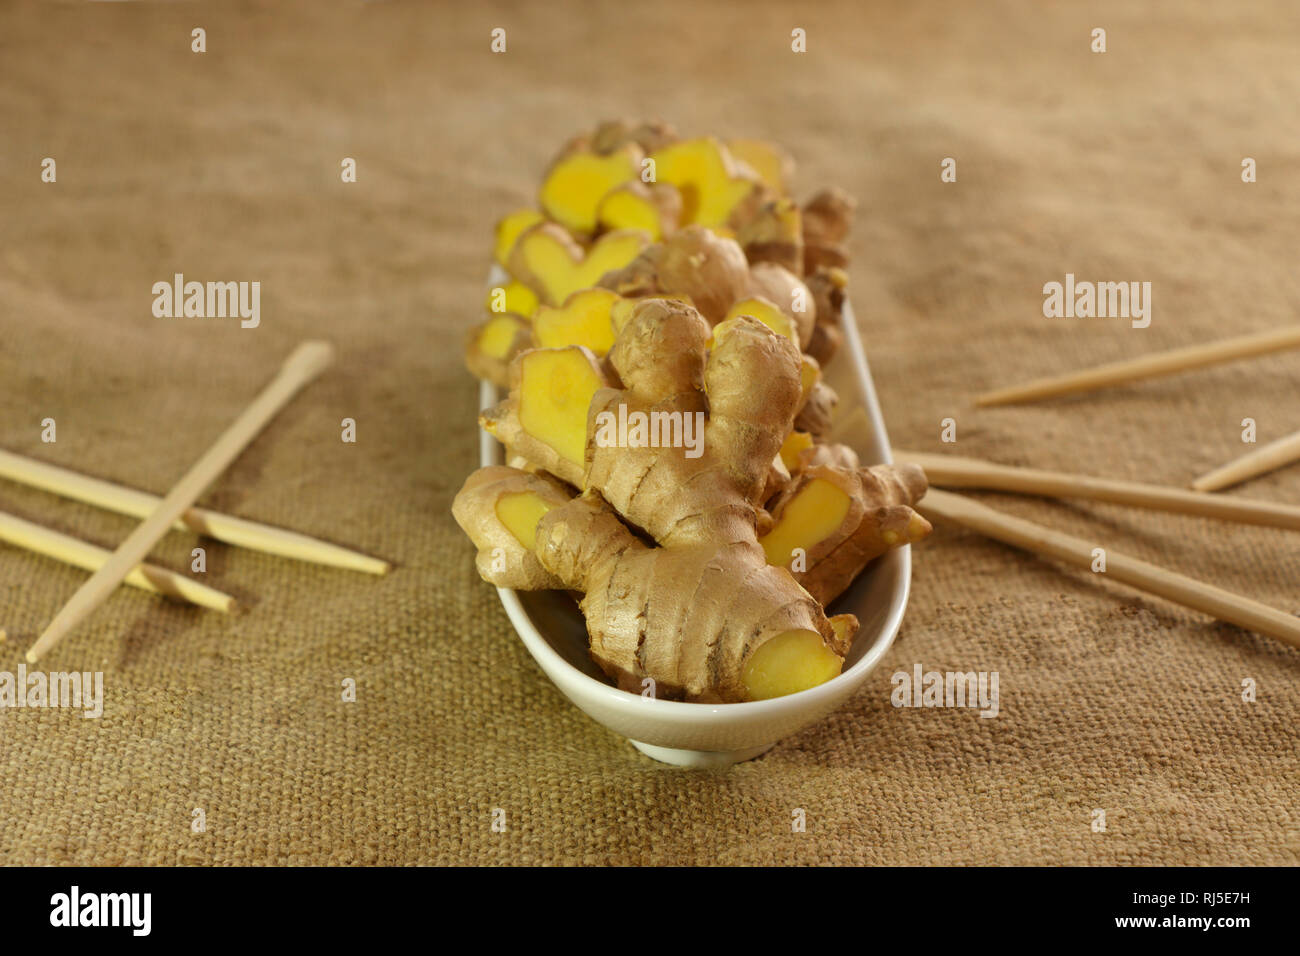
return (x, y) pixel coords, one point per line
(497, 335)
(577, 183)
(813, 515)
(654, 209)
(510, 228)
(514, 297)
(768, 314)
(520, 511)
(494, 343)
(624, 209)
(810, 373)
(584, 319)
(705, 174)
(788, 663)
(772, 164)
(553, 265)
(793, 447)
(555, 391)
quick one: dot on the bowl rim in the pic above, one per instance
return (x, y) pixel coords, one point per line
(491, 452)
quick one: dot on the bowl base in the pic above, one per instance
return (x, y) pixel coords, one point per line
(701, 759)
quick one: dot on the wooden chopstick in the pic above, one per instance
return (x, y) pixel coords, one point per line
(139, 504)
(1272, 456)
(1147, 366)
(82, 554)
(954, 471)
(1197, 595)
(303, 365)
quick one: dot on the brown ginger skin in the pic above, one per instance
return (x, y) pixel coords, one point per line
(774, 234)
(688, 618)
(827, 286)
(713, 273)
(651, 135)
(693, 262)
(827, 219)
(751, 384)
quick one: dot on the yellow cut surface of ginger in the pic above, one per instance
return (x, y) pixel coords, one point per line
(499, 508)
(793, 447)
(497, 335)
(878, 517)
(654, 210)
(768, 314)
(513, 296)
(556, 387)
(494, 343)
(510, 228)
(772, 163)
(584, 319)
(520, 511)
(574, 187)
(810, 373)
(711, 186)
(813, 515)
(548, 260)
(788, 663)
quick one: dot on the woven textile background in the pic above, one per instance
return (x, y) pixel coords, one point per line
(225, 166)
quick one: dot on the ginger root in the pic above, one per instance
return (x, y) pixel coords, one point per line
(544, 419)
(786, 290)
(514, 297)
(579, 179)
(613, 135)
(674, 282)
(715, 190)
(693, 612)
(494, 344)
(759, 308)
(827, 218)
(713, 273)
(654, 209)
(510, 228)
(775, 235)
(551, 263)
(835, 518)
(772, 164)
(827, 288)
(695, 620)
(584, 319)
(499, 507)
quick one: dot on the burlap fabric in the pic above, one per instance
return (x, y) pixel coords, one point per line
(226, 166)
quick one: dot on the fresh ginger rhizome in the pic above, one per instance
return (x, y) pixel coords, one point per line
(655, 429)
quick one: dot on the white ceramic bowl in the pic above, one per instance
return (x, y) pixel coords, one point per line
(717, 735)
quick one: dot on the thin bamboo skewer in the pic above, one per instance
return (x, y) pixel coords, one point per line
(1197, 595)
(303, 365)
(1147, 366)
(89, 557)
(954, 471)
(139, 504)
(1272, 456)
